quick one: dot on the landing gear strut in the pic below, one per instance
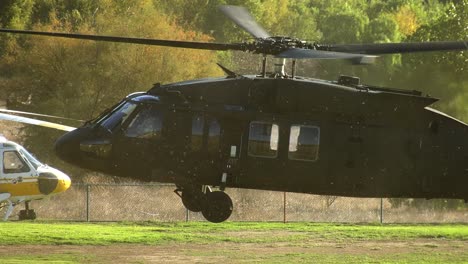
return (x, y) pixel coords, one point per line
(215, 206)
(193, 199)
(27, 214)
(10, 208)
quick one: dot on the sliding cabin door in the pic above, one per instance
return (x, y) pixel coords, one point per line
(214, 149)
(261, 162)
(282, 154)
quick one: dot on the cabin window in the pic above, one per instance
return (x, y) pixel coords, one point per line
(198, 124)
(14, 163)
(304, 142)
(263, 139)
(214, 132)
(146, 124)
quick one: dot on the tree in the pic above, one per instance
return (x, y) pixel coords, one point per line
(79, 79)
(442, 74)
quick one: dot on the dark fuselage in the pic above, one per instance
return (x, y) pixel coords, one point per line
(296, 135)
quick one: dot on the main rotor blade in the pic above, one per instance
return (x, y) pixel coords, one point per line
(243, 19)
(129, 40)
(388, 48)
(320, 54)
(36, 122)
(36, 114)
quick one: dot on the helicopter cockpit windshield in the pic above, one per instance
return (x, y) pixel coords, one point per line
(118, 115)
(34, 162)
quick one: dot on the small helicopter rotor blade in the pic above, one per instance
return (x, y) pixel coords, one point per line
(244, 19)
(36, 122)
(130, 40)
(388, 48)
(36, 114)
(297, 53)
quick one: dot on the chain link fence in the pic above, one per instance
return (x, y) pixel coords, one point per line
(157, 202)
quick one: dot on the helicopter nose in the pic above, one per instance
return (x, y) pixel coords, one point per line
(53, 181)
(67, 147)
(64, 182)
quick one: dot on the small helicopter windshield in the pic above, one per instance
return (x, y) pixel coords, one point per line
(34, 162)
(118, 115)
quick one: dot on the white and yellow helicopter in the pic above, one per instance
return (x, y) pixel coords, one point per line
(23, 178)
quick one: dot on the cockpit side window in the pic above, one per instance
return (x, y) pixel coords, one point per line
(146, 124)
(14, 163)
(119, 116)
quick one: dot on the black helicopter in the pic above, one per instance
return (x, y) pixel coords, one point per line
(274, 131)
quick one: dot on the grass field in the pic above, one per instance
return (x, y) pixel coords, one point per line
(231, 242)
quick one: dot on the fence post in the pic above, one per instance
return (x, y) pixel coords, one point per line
(284, 207)
(381, 210)
(88, 187)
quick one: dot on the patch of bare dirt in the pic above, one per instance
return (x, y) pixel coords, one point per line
(234, 252)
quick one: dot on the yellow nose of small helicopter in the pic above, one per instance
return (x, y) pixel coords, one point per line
(63, 183)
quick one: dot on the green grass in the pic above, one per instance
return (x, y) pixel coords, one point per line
(233, 242)
(153, 233)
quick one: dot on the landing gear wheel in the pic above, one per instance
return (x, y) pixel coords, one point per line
(193, 199)
(218, 207)
(27, 215)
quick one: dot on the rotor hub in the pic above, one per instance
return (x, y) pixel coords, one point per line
(276, 45)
